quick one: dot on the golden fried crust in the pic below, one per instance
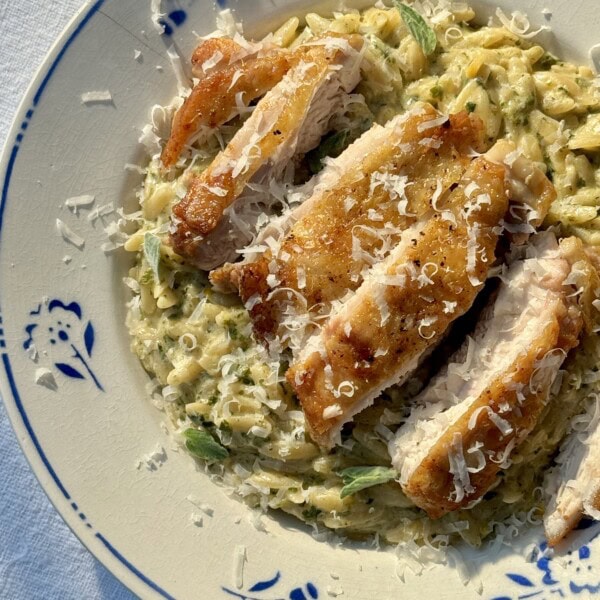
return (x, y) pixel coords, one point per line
(213, 100)
(207, 49)
(211, 192)
(431, 486)
(522, 389)
(359, 349)
(321, 242)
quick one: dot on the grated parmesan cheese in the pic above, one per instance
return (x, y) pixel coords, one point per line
(473, 233)
(77, 202)
(156, 15)
(458, 468)
(197, 519)
(154, 459)
(239, 558)
(519, 24)
(421, 127)
(45, 378)
(330, 412)
(97, 97)
(449, 307)
(69, 235)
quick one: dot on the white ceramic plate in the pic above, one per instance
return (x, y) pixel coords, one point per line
(85, 438)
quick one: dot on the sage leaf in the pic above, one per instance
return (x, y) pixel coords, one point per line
(359, 478)
(152, 252)
(203, 445)
(418, 28)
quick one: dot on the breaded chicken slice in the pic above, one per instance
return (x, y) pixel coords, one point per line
(575, 483)
(470, 419)
(289, 120)
(404, 305)
(360, 205)
(573, 486)
(218, 97)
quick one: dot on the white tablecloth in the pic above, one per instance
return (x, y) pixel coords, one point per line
(39, 556)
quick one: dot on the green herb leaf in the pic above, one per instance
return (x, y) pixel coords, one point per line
(245, 377)
(152, 252)
(311, 513)
(470, 106)
(203, 445)
(547, 61)
(332, 146)
(418, 28)
(232, 329)
(359, 478)
(225, 427)
(436, 91)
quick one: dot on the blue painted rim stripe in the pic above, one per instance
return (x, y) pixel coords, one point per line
(133, 569)
(21, 409)
(5, 359)
(9, 168)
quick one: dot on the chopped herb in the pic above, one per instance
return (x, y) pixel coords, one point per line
(147, 278)
(311, 513)
(359, 478)
(232, 329)
(333, 145)
(197, 419)
(436, 91)
(312, 479)
(225, 427)
(203, 445)
(549, 167)
(245, 377)
(418, 28)
(547, 61)
(152, 252)
(255, 440)
(213, 399)
(470, 106)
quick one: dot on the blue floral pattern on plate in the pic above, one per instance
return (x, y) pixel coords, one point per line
(58, 330)
(308, 591)
(579, 574)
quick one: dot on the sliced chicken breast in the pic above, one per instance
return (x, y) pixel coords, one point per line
(359, 207)
(469, 419)
(220, 96)
(404, 305)
(574, 485)
(289, 120)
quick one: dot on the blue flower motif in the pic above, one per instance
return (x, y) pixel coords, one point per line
(57, 330)
(308, 591)
(578, 576)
